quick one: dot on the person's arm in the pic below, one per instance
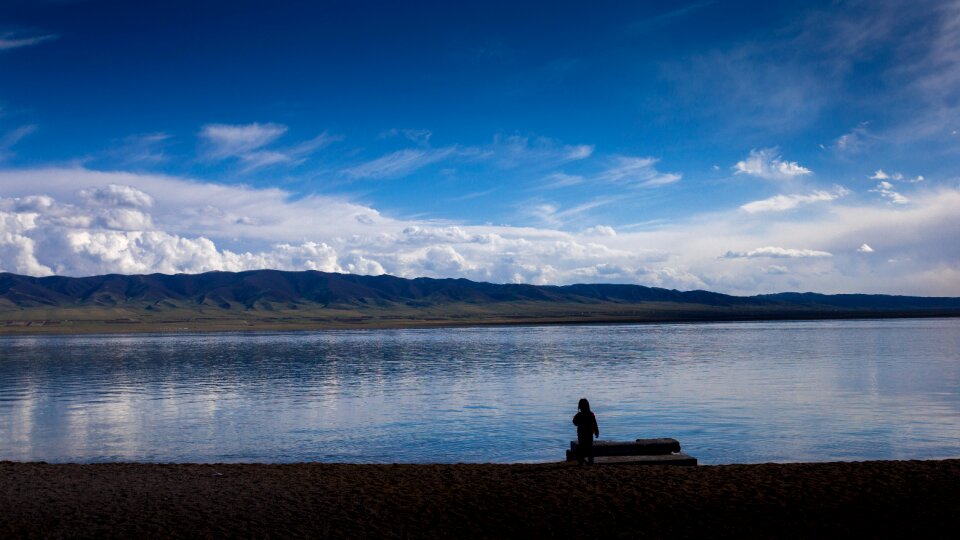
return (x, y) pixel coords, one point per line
(575, 419)
(596, 427)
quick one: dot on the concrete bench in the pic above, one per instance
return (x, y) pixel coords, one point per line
(664, 451)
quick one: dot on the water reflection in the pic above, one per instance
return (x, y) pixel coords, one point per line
(733, 392)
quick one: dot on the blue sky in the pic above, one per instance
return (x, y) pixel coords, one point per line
(743, 147)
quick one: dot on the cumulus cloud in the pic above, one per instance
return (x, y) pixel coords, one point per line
(780, 203)
(776, 253)
(896, 177)
(886, 190)
(171, 225)
(600, 230)
(767, 163)
(17, 250)
(117, 195)
(75, 221)
(864, 248)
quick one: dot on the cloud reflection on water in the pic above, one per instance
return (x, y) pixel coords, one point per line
(730, 392)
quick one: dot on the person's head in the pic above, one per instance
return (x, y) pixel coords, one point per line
(584, 405)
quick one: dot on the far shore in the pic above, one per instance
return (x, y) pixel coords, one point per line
(804, 500)
(10, 324)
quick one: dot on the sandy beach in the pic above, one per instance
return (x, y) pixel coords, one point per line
(125, 500)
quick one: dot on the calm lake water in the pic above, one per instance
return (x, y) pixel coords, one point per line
(730, 392)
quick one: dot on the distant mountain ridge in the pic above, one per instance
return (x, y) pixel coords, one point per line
(266, 289)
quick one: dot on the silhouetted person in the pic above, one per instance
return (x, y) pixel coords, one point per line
(587, 429)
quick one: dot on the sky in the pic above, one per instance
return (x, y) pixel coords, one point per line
(736, 146)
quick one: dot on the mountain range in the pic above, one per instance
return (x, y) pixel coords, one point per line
(309, 299)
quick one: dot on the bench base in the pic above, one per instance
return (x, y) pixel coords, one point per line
(665, 459)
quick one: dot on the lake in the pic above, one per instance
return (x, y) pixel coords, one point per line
(730, 392)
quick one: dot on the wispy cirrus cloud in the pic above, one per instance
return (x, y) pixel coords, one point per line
(538, 152)
(635, 172)
(554, 215)
(767, 163)
(855, 141)
(521, 151)
(225, 140)
(146, 149)
(12, 137)
(668, 17)
(560, 180)
(400, 163)
(781, 203)
(504, 152)
(251, 144)
(11, 40)
(419, 136)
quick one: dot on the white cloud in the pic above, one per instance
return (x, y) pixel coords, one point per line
(886, 190)
(767, 163)
(9, 40)
(47, 226)
(554, 216)
(309, 146)
(141, 149)
(780, 203)
(864, 248)
(896, 177)
(600, 230)
(776, 253)
(855, 141)
(636, 172)
(533, 152)
(17, 255)
(513, 152)
(13, 137)
(560, 180)
(580, 151)
(248, 143)
(358, 264)
(117, 195)
(239, 140)
(419, 136)
(399, 163)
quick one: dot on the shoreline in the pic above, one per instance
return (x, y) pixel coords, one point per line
(113, 500)
(9, 327)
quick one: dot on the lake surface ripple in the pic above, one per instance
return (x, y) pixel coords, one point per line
(730, 392)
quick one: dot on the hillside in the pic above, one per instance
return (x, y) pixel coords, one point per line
(277, 299)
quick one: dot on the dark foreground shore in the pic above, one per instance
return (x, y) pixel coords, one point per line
(864, 499)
